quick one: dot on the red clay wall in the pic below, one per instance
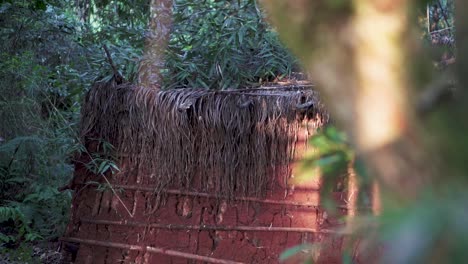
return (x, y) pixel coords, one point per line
(124, 224)
(247, 230)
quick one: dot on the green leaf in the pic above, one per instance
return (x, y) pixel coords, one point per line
(240, 35)
(335, 135)
(18, 179)
(114, 167)
(320, 141)
(6, 238)
(329, 160)
(40, 5)
(103, 167)
(290, 252)
(32, 237)
(361, 169)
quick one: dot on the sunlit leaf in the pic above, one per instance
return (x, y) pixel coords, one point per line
(290, 252)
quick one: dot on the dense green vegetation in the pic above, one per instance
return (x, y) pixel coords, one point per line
(50, 55)
(223, 44)
(41, 82)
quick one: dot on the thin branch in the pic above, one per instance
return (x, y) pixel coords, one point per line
(70, 184)
(204, 227)
(214, 196)
(13, 157)
(118, 77)
(115, 193)
(444, 14)
(149, 249)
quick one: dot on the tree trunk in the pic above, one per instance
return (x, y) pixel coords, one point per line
(357, 52)
(152, 63)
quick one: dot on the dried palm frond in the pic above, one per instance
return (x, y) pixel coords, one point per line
(233, 142)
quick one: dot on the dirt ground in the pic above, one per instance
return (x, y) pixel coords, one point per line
(30, 253)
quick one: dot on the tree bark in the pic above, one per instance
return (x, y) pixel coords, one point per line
(160, 23)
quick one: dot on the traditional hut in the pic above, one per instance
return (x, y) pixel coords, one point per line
(203, 177)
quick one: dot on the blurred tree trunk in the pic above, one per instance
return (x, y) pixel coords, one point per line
(160, 23)
(360, 54)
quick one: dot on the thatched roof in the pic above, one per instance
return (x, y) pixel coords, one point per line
(234, 142)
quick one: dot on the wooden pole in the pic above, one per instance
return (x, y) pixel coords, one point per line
(211, 227)
(207, 195)
(149, 249)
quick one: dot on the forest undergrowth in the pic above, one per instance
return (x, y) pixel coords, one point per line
(51, 54)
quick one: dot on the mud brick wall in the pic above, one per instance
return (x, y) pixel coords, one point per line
(195, 227)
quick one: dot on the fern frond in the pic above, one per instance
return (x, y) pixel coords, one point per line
(10, 213)
(11, 145)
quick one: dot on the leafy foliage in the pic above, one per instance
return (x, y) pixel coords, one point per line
(223, 44)
(292, 252)
(29, 177)
(438, 26)
(52, 52)
(43, 74)
(330, 155)
(440, 14)
(214, 44)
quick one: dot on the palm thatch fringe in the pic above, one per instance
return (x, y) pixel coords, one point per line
(232, 142)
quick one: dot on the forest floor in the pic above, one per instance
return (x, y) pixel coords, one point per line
(30, 253)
